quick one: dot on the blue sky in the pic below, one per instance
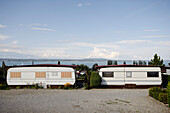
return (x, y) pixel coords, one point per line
(113, 29)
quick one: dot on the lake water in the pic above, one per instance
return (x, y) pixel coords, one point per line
(78, 62)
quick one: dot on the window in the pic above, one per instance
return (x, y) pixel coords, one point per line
(15, 74)
(108, 74)
(66, 75)
(128, 74)
(40, 74)
(152, 74)
(54, 73)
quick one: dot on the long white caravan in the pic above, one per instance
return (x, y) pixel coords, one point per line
(49, 74)
(141, 76)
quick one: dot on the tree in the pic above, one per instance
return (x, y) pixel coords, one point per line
(115, 62)
(94, 67)
(144, 62)
(156, 61)
(109, 62)
(95, 79)
(82, 67)
(124, 63)
(58, 62)
(140, 62)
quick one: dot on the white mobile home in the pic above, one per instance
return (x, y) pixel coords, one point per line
(49, 74)
(140, 76)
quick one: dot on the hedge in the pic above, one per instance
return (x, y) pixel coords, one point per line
(163, 95)
(163, 98)
(168, 87)
(95, 79)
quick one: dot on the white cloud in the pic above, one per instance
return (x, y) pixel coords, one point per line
(20, 24)
(69, 40)
(87, 3)
(133, 41)
(87, 44)
(118, 32)
(151, 30)
(12, 45)
(38, 25)
(42, 29)
(154, 36)
(3, 37)
(103, 53)
(1, 26)
(48, 53)
(79, 5)
(14, 42)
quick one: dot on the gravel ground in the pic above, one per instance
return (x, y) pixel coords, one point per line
(78, 101)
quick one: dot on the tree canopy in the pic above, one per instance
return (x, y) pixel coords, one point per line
(156, 61)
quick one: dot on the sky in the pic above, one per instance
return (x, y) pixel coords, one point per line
(76, 29)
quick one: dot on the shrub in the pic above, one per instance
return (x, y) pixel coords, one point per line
(156, 91)
(168, 87)
(18, 87)
(95, 79)
(67, 86)
(151, 92)
(4, 87)
(168, 78)
(60, 87)
(163, 97)
(86, 85)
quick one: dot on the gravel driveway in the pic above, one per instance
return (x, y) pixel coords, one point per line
(78, 101)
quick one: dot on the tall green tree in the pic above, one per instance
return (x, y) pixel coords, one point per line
(109, 62)
(94, 67)
(157, 61)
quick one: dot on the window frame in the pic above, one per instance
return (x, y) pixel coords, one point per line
(55, 74)
(130, 74)
(153, 76)
(108, 76)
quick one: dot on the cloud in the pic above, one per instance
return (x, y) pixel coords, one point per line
(118, 32)
(87, 3)
(71, 40)
(79, 5)
(87, 44)
(154, 36)
(38, 25)
(3, 37)
(15, 42)
(133, 41)
(103, 53)
(49, 53)
(151, 30)
(1, 26)
(20, 24)
(12, 45)
(42, 29)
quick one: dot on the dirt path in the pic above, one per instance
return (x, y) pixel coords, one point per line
(78, 101)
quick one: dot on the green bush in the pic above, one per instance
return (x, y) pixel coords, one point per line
(163, 97)
(168, 88)
(86, 85)
(95, 79)
(4, 87)
(168, 78)
(151, 92)
(18, 87)
(156, 91)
